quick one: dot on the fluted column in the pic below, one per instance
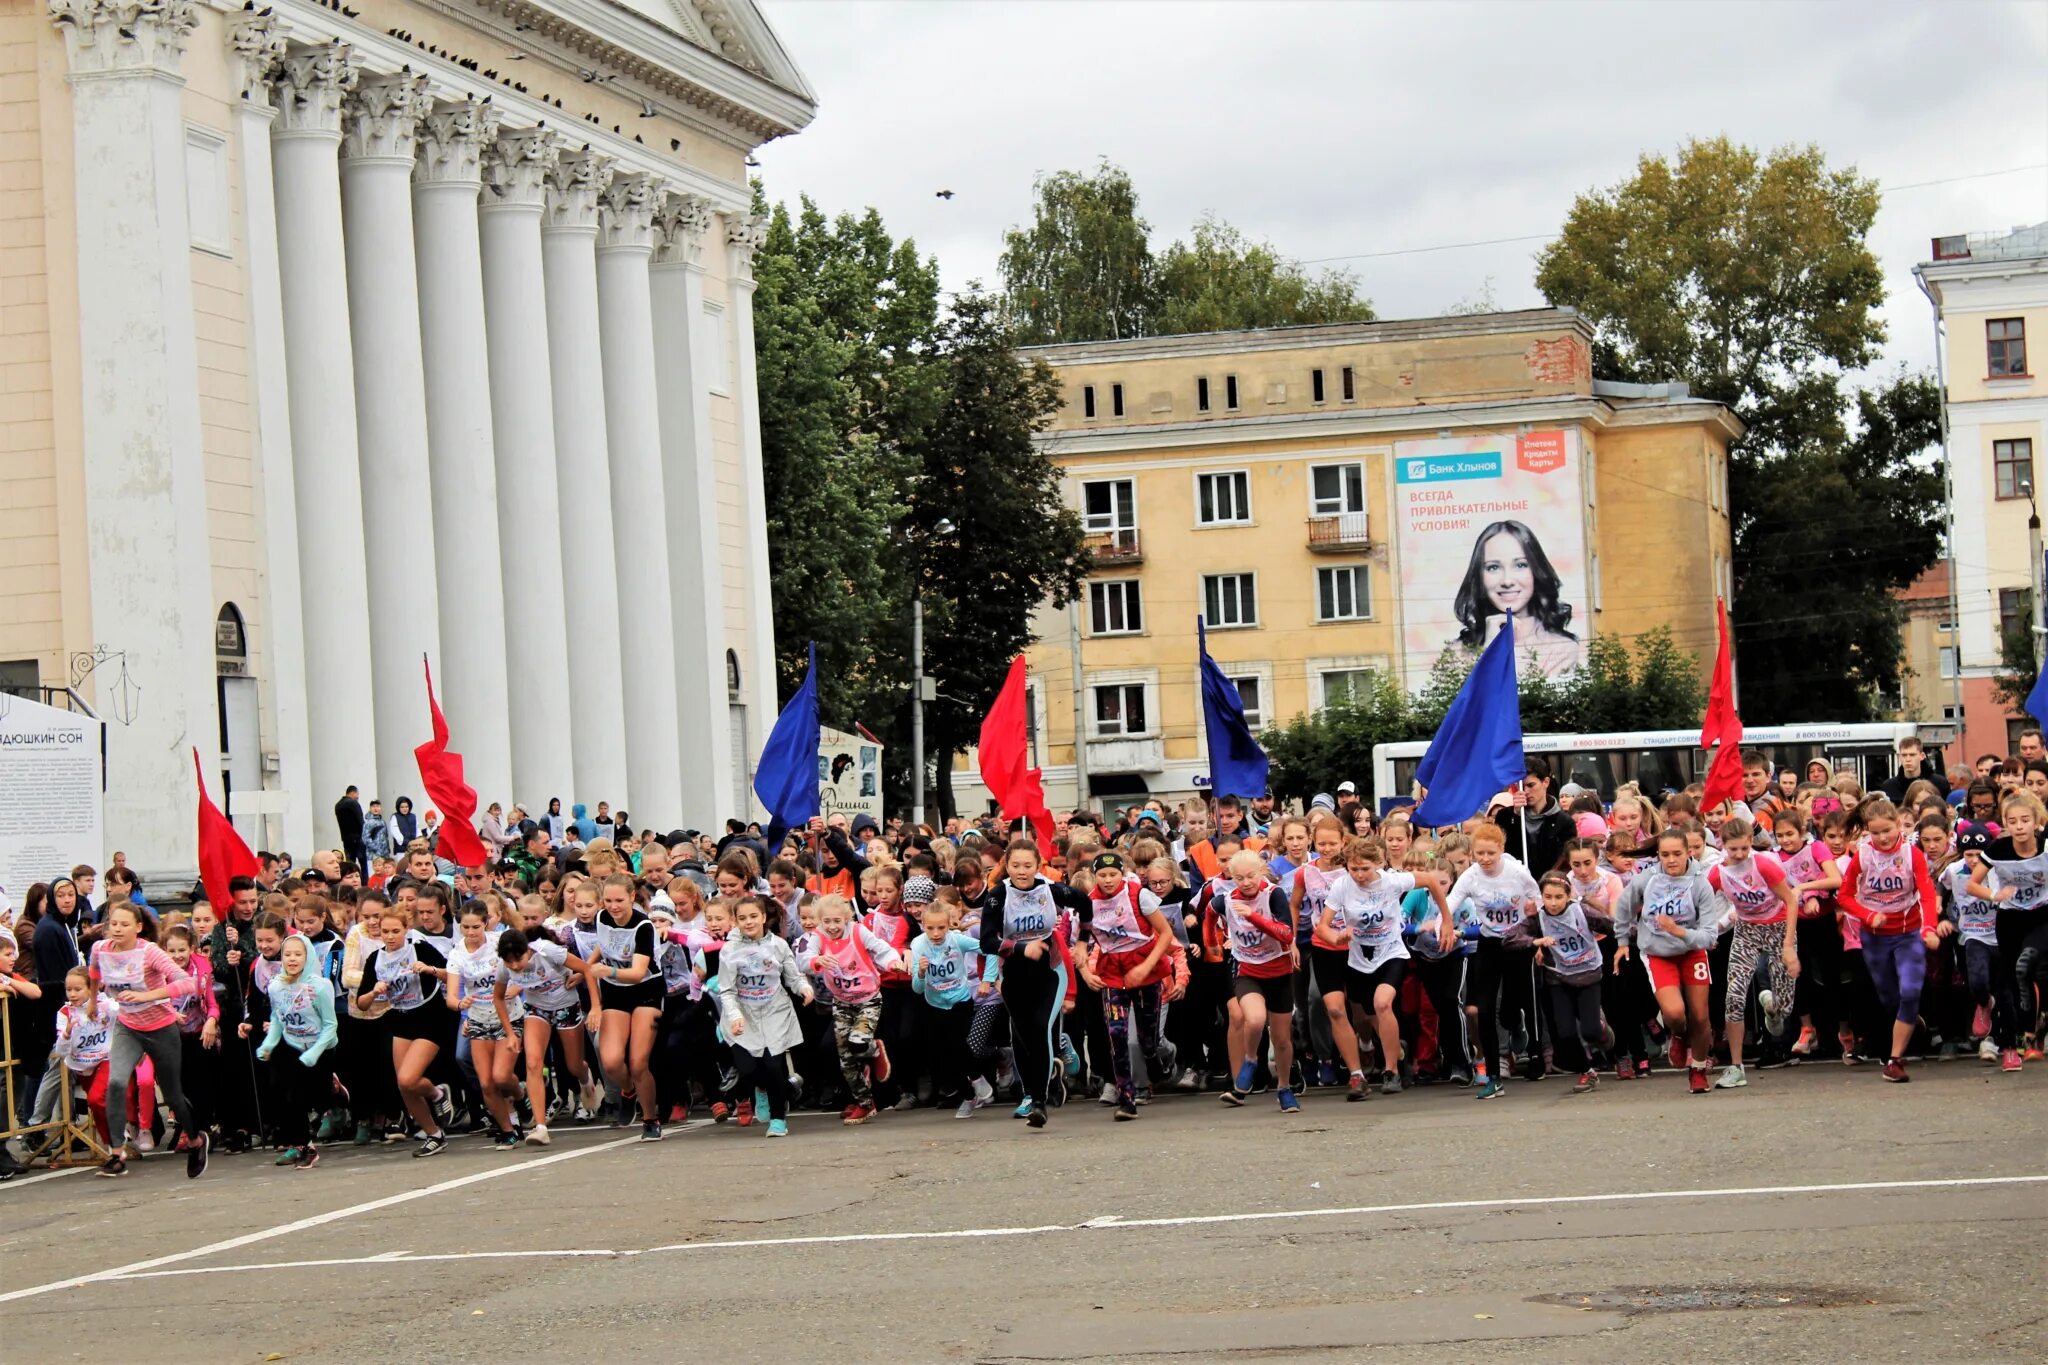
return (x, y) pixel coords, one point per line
(625, 244)
(690, 497)
(256, 44)
(568, 243)
(743, 238)
(145, 475)
(377, 151)
(446, 182)
(321, 389)
(545, 726)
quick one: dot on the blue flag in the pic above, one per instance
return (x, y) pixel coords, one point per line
(1237, 765)
(786, 779)
(1478, 748)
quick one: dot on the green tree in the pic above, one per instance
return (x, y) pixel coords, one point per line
(1012, 544)
(1749, 277)
(1220, 282)
(1082, 271)
(2018, 668)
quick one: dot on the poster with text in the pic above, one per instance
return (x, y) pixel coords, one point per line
(52, 812)
(1488, 525)
(849, 774)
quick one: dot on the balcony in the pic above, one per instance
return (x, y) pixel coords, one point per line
(1126, 754)
(1120, 546)
(1342, 533)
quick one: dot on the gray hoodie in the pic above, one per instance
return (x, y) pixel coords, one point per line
(1690, 900)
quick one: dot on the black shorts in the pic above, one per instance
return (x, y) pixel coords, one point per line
(432, 1022)
(1331, 965)
(1360, 987)
(1277, 991)
(642, 995)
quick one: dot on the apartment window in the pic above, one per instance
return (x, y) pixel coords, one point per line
(1087, 400)
(1116, 400)
(2005, 347)
(1345, 686)
(2012, 467)
(20, 678)
(1223, 499)
(1315, 386)
(1120, 709)
(1948, 661)
(1114, 608)
(1230, 599)
(1347, 381)
(1343, 594)
(1230, 392)
(1031, 723)
(2012, 608)
(1951, 712)
(1334, 489)
(1252, 698)
(1202, 394)
(1109, 506)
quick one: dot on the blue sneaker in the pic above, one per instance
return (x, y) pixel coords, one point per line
(1491, 1090)
(1023, 1111)
(1289, 1104)
(778, 1128)
(760, 1102)
(1069, 1058)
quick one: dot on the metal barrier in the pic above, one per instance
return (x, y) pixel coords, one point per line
(67, 1141)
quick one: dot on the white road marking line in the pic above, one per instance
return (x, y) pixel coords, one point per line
(20, 1181)
(1101, 1223)
(302, 1224)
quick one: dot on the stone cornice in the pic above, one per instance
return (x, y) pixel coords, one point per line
(124, 37)
(1312, 336)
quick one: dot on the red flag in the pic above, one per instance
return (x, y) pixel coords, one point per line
(1721, 726)
(441, 775)
(1019, 790)
(222, 854)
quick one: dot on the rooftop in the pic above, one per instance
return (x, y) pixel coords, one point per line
(2015, 244)
(1312, 335)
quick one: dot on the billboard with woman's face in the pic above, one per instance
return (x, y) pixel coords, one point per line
(1489, 525)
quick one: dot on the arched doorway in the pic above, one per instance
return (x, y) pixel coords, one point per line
(241, 728)
(736, 718)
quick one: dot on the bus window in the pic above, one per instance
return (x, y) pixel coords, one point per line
(1597, 771)
(1658, 771)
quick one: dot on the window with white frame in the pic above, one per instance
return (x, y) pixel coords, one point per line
(1334, 489)
(1251, 693)
(1223, 498)
(1948, 661)
(1120, 709)
(1345, 686)
(1108, 506)
(1114, 608)
(1343, 593)
(1230, 599)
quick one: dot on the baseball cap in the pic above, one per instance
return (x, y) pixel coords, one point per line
(1107, 861)
(1347, 788)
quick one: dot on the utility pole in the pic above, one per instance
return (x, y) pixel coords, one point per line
(2034, 566)
(917, 708)
(1080, 707)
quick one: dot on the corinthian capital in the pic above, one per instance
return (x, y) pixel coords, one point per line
(516, 167)
(112, 37)
(384, 113)
(452, 140)
(256, 44)
(574, 182)
(743, 237)
(680, 222)
(309, 85)
(626, 212)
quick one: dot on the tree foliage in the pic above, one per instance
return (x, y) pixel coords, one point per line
(1655, 686)
(2018, 668)
(1085, 271)
(1749, 277)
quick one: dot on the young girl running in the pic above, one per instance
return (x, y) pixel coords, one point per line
(1669, 916)
(85, 1038)
(1255, 918)
(1886, 889)
(1441, 968)
(1811, 872)
(198, 1027)
(1124, 957)
(1766, 927)
(143, 980)
(296, 1044)
(1976, 926)
(630, 993)
(943, 973)
(1329, 945)
(541, 975)
(406, 975)
(1564, 928)
(757, 974)
(2016, 881)
(492, 1025)
(1495, 891)
(1019, 918)
(1369, 898)
(849, 960)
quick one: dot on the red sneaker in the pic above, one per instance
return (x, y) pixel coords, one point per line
(746, 1114)
(1677, 1052)
(720, 1111)
(1895, 1072)
(880, 1065)
(858, 1113)
(1699, 1083)
(1623, 1071)
(678, 1113)
(1642, 1068)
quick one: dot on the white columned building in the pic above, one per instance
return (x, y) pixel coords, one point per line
(523, 438)
(144, 467)
(690, 502)
(379, 136)
(471, 673)
(640, 540)
(743, 238)
(321, 386)
(568, 245)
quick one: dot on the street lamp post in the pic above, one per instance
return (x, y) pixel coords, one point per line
(918, 684)
(2036, 631)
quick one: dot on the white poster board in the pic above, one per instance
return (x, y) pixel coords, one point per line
(52, 811)
(849, 774)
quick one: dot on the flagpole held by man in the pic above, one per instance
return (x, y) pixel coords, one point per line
(1477, 749)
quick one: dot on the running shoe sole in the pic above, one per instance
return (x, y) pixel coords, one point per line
(196, 1155)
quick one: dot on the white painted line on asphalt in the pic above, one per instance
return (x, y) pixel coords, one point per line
(317, 1220)
(19, 1181)
(1100, 1223)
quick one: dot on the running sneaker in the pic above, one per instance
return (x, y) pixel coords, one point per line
(761, 1105)
(1980, 1023)
(778, 1128)
(1126, 1110)
(1288, 1103)
(1774, 1018)
(145, 1141)
(1623, 1071)
(196, 1153)
(721, 1111)
(1642, 1068)
(432, 1146)
(1847, 1041)
(1731, 1078)
(1022, 1111)
(861, 1114)
(1234, 1097)
(583, 1114)
(309, 1158)
(2009, 1060)
(506, 1140)
(1069, 1058)
(678, 1113)
(1988, 1051)
(362, 1138)
(650, 1131)
(1354, 1091)
(1390, 1083)
(2030, 1048)
(745, 1117)
(1461, 1077)
(1142, 1095)
(1698, 1080)
(1189, 1080)
(1036, 1118)
(332, 1127)
(1895, 1072)
(538, 1135)
(443, 1105)
(1491, 1090)
(983, 1092)
(288, 1157)
(1108, 1095)
(1808, 1037)
(880, 1066)
(1677, 1052)
(113, 1167)
(1587, 1080)
(965, 1111)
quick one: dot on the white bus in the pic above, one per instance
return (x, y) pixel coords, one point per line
(1668, 760)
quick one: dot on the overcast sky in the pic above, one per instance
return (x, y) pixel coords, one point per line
(1335, 128)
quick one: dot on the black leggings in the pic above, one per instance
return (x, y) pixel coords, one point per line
(300, 1090)
(2022, 962)
(1575, 1020)
(1033, 993)
(898, 1032)
(672, 1053)
(1500, 983)
(1628, 1003)
(768, 1074)
(198, 1075)
(944, 1031)
(1443, 981)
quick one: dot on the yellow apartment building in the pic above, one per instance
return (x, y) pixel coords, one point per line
(1348, 500)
